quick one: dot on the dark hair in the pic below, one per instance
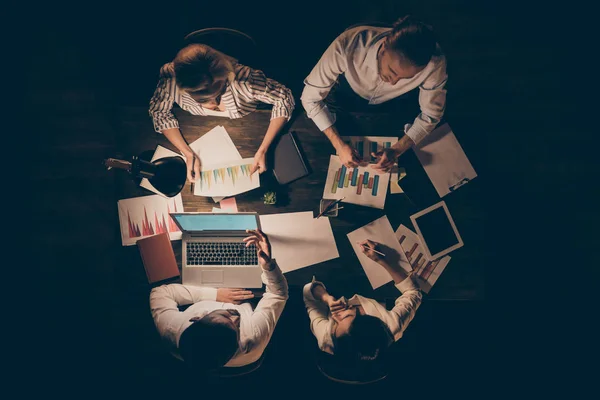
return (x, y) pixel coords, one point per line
(198, 66)
(206, 345)
(368, 339)
(414, 40)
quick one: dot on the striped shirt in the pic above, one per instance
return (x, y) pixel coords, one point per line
(242, 96)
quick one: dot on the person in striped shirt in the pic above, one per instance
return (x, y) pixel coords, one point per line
(204, 81)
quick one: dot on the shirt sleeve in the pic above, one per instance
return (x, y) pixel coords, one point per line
(320, 81)
(432, 100)
(269, 308)
(318, 313)
(406, 305)
(256, 86)
(165, 299)
(161, 104)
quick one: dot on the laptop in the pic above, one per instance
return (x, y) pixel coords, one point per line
(213, 253)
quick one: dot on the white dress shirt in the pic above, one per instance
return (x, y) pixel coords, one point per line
(397, 320)
(354, 54)
(256, 326)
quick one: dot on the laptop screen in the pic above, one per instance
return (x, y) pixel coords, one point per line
(215, 222)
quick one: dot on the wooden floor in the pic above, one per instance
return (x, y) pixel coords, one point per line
(90, 83)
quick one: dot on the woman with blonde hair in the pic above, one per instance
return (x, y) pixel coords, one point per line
(204, 81)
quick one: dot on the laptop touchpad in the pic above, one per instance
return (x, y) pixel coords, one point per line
(212, 277)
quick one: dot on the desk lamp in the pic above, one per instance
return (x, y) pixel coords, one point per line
(166, 174)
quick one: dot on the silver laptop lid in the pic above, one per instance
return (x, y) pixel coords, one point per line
(216, 224)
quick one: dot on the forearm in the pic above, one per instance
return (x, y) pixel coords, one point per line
(176, 138)
(397, 273)
(319, 293)
(402, 145)
(334, 136)
(273, 130)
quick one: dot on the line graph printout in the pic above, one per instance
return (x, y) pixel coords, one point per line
(226, 179)
(360, 185)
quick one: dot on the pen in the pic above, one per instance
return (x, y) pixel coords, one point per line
(329, 207)
(193, 174)
(378, 252)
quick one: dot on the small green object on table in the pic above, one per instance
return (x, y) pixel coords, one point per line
(270, 198)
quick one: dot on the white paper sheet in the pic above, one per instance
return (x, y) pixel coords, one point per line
(298, 240)
(379, 231)
(145, 216)
(444, 160)
(425, 270)
(351, 188)
(226, 179)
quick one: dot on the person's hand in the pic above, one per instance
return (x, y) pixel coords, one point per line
(368, 247)
(193, 171)
(334, 305)
(349, 156)
(234, 296)
(263, 247)
(385, 159)
(260, 163)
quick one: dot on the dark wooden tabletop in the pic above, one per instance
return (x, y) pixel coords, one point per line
(463, 277)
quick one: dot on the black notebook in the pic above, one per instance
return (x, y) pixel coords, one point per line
(288, 162)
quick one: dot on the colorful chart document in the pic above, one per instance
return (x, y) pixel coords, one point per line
(361, 185)
(226, 179)
(425, 270)
(145, 216)
(379, 231)
(365, 145)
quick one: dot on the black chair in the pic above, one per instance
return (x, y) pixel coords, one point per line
(234, 372)
(377, 24)
(234, 43)
(363, 373)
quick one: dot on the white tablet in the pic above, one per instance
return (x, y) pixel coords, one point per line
(437, 231)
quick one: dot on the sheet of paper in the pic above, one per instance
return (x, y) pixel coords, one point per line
(295, 234)
(218, 210)
(426, 271)
(360, 185)
(161, 152)
(229, 205)
(444, 160)
(226, 179)
(396, 176)
(379, 231)
(145, 216)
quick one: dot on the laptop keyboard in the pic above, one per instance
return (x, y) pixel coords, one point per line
(219, 253)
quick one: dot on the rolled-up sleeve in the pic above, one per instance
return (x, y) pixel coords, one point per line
(432, 100)
(406, 305)
(320, 81)
(318, 313)
(161, 104)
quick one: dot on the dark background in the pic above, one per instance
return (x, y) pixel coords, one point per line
(516, 70)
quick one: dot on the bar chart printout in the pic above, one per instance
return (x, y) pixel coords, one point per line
(361, 185)
(145, 216)
(226, 179)
(365, 145)
(425, 270)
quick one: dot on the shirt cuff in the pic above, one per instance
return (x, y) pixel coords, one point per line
(209, 293)
(307, 291)
(324, 119)
(159, 127)
(407, 285)
(416, 133)
(279, 112)
(274, 275)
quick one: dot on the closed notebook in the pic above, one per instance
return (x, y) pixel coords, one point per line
(158, 258)
(288, 163)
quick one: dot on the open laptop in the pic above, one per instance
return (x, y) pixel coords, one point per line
(213, 253)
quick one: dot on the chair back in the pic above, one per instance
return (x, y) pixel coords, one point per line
(231, 42)
(362, 373)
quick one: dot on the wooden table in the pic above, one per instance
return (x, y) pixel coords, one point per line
(463, 277)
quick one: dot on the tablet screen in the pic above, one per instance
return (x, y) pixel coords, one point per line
(437, 230)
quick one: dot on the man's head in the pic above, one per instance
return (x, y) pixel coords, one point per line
(211, 341)
(406, 51)
(360, 337)
(202, 72)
